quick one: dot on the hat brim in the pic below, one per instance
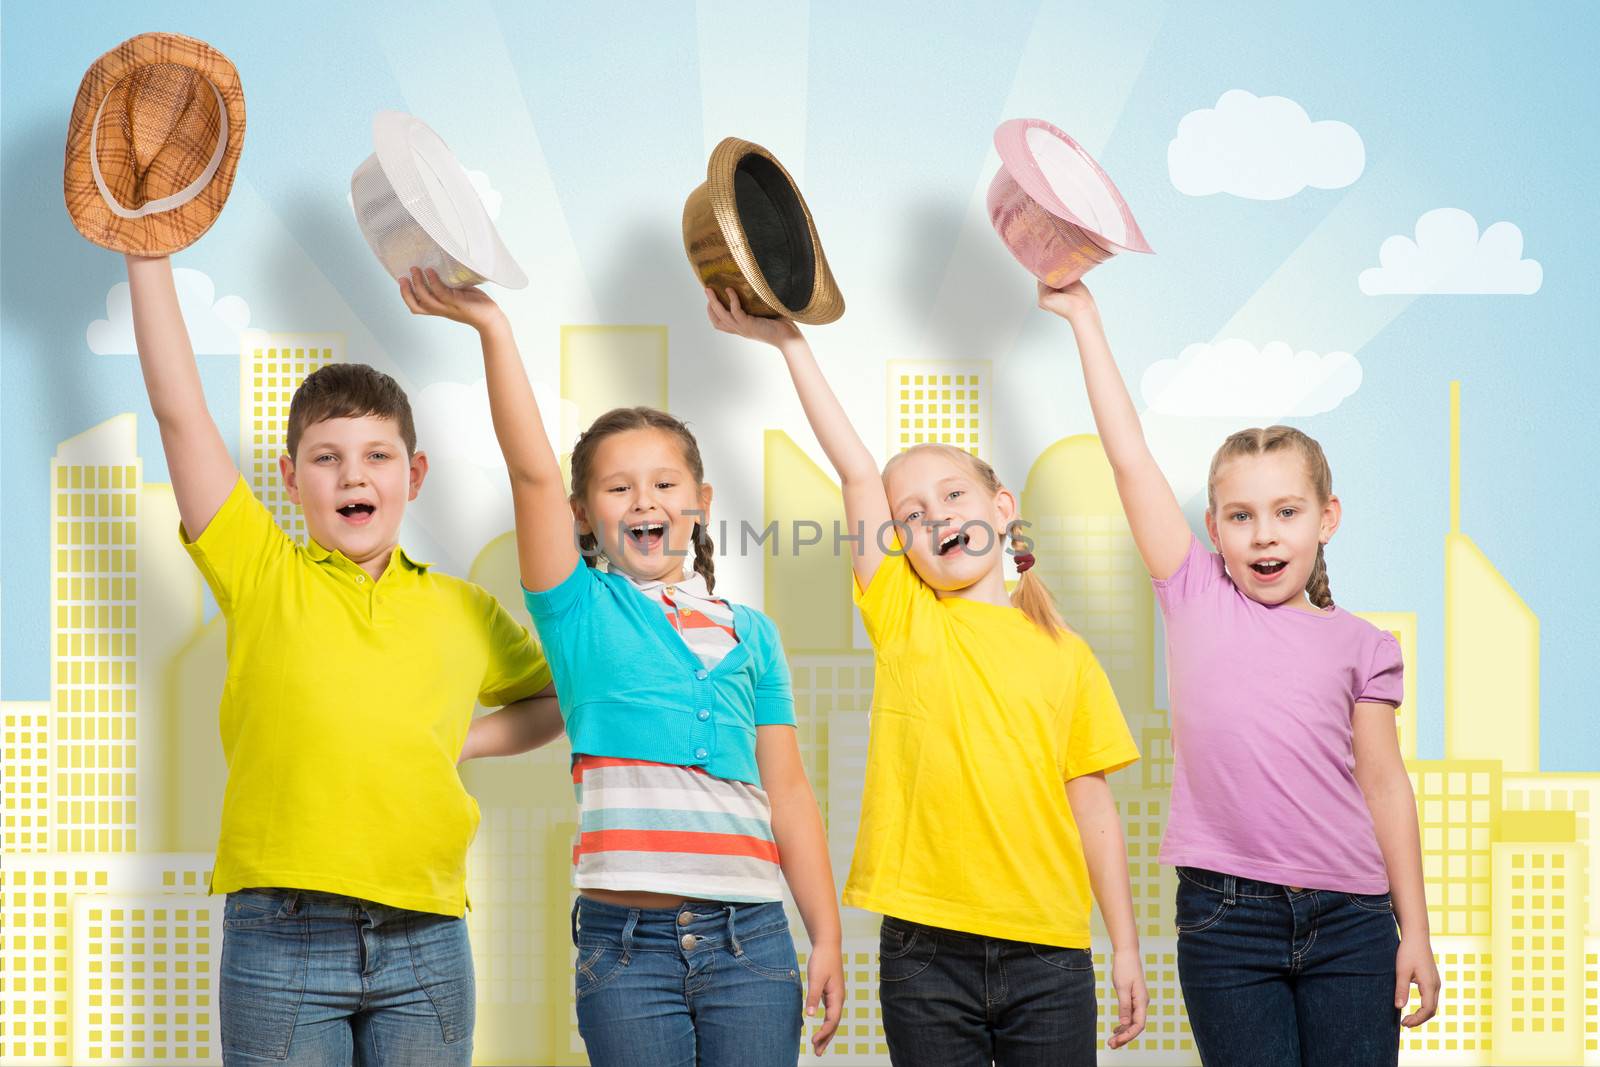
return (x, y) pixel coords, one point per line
(434, 188)
(823, 303)
(164, 232)
(1112, 225)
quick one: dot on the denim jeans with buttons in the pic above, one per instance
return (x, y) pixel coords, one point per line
(1280, 976)
(706, 983)
(319, 980)
(953, 999)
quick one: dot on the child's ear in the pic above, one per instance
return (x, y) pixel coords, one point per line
(580, 517)
(1006, 503)
(705, 503)
(419, 471)
(291, 485)
(1211, 530)
(1332, 513)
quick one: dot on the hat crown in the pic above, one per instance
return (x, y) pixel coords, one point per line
(162, 123)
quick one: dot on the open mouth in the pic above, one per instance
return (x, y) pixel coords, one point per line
(357, 513)
(647, 536)
(1268, 568)
(954, 542)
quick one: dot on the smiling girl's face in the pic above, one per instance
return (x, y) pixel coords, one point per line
(958, 525)
(1268, 522)
(642, 503)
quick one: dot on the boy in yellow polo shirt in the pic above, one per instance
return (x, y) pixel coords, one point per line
(352, 673)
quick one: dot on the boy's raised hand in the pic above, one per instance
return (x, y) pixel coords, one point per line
(734, 319)
(198, 462)
(426, 294)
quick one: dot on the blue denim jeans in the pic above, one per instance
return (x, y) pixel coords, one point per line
(319, 980)
(704, 983)
(1274, 975)
(952, 999)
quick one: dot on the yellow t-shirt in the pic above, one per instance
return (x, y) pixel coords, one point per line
(346, 705)
(979, 718)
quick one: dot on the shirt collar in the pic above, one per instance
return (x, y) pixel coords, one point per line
(694, 585)
(321, 554)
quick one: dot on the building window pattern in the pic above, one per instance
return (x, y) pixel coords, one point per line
(1458, 804)
(144, 980)
(25, 783)
(944, 403)
(94, 575)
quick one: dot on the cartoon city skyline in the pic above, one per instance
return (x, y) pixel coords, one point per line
(113, 786)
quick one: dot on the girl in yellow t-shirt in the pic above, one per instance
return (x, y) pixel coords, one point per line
(986, 820)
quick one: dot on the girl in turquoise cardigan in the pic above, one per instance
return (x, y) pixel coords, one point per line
(692, 795)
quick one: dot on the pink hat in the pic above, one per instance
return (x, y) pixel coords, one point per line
(1053, 206)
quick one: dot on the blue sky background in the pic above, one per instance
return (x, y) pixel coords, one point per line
(594, 124)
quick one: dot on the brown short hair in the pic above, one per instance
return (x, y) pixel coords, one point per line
(349, 391)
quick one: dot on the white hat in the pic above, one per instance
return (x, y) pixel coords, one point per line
(417, 208)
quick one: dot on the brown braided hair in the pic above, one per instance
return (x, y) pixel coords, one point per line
(1031, 596)
(620, 420)
(1257, 441)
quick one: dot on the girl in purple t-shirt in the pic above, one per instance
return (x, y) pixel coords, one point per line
(1292, 817)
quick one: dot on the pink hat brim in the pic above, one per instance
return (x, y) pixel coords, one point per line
(1011, 141)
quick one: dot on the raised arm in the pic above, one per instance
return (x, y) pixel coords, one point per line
(547, 549)
(1159, 528)
(866, 507)
(202, 472)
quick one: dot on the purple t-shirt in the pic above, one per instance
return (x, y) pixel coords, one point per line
(1262, 701)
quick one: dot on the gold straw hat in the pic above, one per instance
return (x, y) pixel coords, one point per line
(747, 228)
(153, 144)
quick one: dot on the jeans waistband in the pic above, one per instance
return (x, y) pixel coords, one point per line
(662, 929)
(1232, 887)
(316, 904)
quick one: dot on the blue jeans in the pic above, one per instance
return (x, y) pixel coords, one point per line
(704, 983)
(1274, 975)
(952, 999)
(319, 980)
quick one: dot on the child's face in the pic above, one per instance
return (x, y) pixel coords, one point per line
(353, 479)
(1269, 523)
(958, 527)
(642, 504)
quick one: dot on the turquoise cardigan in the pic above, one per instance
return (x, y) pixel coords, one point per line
(630, 688)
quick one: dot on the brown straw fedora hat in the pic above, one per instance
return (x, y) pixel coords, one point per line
(153, 144)
(748, 229)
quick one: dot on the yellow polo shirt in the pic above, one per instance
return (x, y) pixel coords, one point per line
(346, 705)
(979, 719)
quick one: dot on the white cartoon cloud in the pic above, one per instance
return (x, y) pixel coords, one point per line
(1448, 255)
(1261, 148)
(215, 326)
(1236, 378)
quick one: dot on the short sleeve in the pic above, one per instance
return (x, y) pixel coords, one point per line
(1097, 736)
(516, 667)
(1200, 571)
(890, 599)
(1385, 682)
(239, 548)
(774, 693)
(558, 600)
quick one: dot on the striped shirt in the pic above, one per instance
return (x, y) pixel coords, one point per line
(661, 828)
